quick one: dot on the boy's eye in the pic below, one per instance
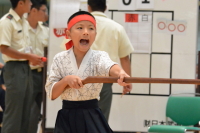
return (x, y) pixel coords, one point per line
(91, 28)
(79, 28)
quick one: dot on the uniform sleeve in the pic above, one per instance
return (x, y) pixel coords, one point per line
(6, 32)
(125, 46)
(105, 63)
(54, 76)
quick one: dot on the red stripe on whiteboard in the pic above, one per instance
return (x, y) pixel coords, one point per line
(131, 17)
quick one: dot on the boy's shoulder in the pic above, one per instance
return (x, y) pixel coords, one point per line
(62, 54)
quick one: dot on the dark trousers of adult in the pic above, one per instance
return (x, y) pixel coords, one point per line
(2, 104)
(106, 99)
(18, 98)
(37, 96)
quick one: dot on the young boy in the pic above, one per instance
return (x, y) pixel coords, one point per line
(80, 112)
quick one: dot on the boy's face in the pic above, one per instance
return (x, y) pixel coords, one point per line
(25, 5)
(40, 14)
(83, 35)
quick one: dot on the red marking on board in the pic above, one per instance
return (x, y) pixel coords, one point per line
(160, 25)
(179, 27)
(131, 18)
(171, 29)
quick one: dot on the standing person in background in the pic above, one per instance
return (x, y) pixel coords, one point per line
(15, 48)
(112, 38)
(39, 35)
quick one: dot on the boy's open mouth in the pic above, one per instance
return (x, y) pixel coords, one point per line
(84, 41)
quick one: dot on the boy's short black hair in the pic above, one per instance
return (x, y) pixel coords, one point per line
(97, 5)
(15, 2)
(79, 13)
(38, 3)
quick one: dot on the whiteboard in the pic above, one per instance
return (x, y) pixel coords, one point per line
(171, 55)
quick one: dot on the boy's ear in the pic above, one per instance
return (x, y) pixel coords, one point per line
(68, 34)
(35, 10)
(20, 3)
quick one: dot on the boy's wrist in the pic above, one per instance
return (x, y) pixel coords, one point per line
(65, 82)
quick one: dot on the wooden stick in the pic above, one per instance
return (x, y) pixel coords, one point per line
(94, 79)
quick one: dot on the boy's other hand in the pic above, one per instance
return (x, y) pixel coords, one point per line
(120, 81)
(127, 89)
(127, 86)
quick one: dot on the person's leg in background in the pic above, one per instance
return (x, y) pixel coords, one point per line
(18, 98)
(36, 107)
(2, 104)
(106, 99)
(2, 95)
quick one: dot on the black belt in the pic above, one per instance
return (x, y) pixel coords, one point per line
(80, 104)
(37, 70)
(23, 62)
